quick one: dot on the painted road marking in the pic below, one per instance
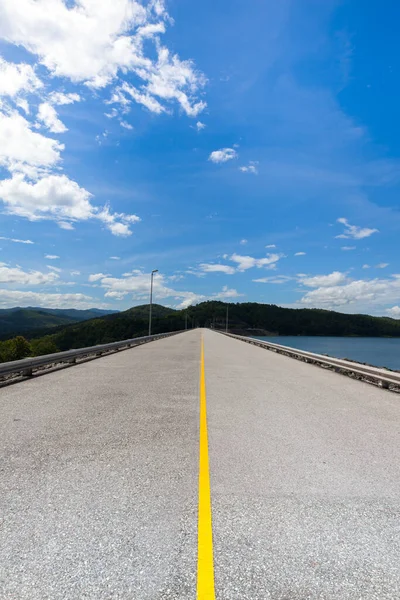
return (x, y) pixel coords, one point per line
(205, 560)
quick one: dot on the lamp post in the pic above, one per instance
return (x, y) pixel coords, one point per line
(151, 297)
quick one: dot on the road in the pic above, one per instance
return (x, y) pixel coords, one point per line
(99, 493)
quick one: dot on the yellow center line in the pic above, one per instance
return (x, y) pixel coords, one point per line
(205, 560)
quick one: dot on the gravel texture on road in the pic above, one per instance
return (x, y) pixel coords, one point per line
(99, 478)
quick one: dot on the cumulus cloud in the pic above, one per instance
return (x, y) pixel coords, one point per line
(21, 148)
(271, 246)
(200, 126)
(48, 116)
(248, 262)
(98, 41)
(394, 312)
(96, 44)
(9, 298)
(348, 248)
(382, 265)
(226, 293)
(334, 278)
(115, 257)
(17, 78)
(16, 275)
(217, 268)
(366, 294)
(61, 98)
(223, 155)
(300, 254)
(136, 285)
(243, 242)
(354, 231)
(58, 198)
(51, 256)
(252, 167)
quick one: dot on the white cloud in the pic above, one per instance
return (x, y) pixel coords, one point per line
(276, 279)
(354, 231)
(23, 103)
(75, 273)
(271, 246)
(16, 240)
(200, 126)
(223, 155)
(51, 256)
(17, 78)
(48, 116)
(366, 294)
(112, 114)
(55, 269)
(366, 267)
(97, 277)
(20, 147)
(10, 298)
(226, 293)
(382, 265)
(300, 254)
(334, 278)
(115, 257)
(248, 262)
(60, 199)
(65, 225)
(348, 248)
(217, 268)
(394, 312)
(97, 42)
(126, 125)
(252, 167)
(61, 98)
(243, 242)
(143, 98)
(16, 275)
(137, 285)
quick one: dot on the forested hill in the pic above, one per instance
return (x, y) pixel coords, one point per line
(245, 318)
(248, 318)
(21, 321)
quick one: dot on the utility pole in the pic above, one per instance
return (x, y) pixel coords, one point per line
(227, 318)
(186, 320)
(151, 298)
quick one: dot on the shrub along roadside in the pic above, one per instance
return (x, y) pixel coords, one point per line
(18, 348)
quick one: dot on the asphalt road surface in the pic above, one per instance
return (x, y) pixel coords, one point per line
(99, 478)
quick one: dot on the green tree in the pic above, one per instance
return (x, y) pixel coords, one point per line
(43, 346)
(15, 349)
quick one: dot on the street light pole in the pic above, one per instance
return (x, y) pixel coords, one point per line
(151, 298)
(227, 318)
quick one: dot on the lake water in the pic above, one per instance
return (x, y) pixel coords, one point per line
(381, 352)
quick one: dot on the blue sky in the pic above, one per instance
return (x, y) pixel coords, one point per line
(249, 151)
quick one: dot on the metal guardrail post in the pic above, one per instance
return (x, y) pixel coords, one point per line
(369, 374)
(26, 366)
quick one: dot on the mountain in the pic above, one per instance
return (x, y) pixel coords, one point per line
(245, 318)
(25, 321)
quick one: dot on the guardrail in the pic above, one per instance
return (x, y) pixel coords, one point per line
(383, 377)
(27, 366)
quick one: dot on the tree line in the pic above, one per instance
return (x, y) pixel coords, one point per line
(249, 318)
